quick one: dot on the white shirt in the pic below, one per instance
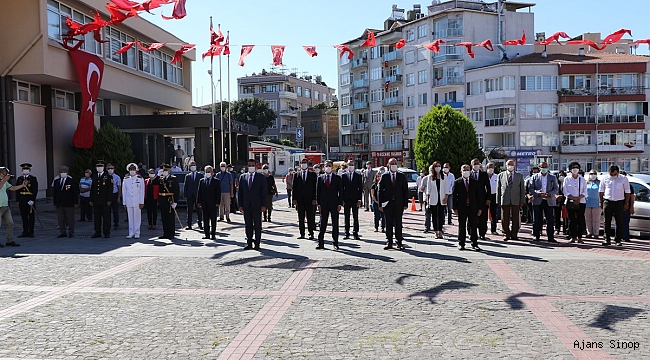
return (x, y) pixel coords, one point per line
(614, 187)
(575, 187)
(133, 191)
(494, 182)
(418, 182)
(451, 178)
(544, 181)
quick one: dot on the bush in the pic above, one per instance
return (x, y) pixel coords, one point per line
(111, 145)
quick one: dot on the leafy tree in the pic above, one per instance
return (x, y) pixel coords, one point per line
(217, 108)
(287, 142)
(254, 111)
(111, 145)
(320, 106)
(446, 135)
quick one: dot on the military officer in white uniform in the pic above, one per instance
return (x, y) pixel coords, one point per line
(133, 199)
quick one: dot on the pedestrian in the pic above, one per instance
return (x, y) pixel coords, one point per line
(66, 200)
(180, 153)
(352, 193)
(427, 213)
(208, 197)
(627, 213)
(26, 199)
(369, 176)
(436, 191)
(574, 188)
(101, 198)
(378, 215)
(117, 195)
(304, 198)
(329, 197)
(288, 180)
(615, 195)
(543, 187)
(469, 201)
(511, 196)
(418, 185)
(133, 191)
(233, 199)
(190, 188)
(227, 190)
(451, 179)
(176, 168)
(592, 206)
(167, 202)
(85, 183)
(152, 189)
(5, 211)
(484, 185)
(528, 211)
(252, 201)
(394, 197)
(272, 190)
(561, 215)
(492, 207)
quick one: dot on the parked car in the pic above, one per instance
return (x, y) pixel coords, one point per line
(640, 221)
(411, 177)
(180, 176)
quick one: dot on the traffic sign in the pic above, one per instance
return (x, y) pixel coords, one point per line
(299, 133)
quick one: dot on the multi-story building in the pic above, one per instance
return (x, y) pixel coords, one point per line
(40, 97)
(564, 107)
(384, 91)
(288, 95)
(321, 130)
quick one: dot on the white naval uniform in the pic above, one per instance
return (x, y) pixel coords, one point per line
(132, 198)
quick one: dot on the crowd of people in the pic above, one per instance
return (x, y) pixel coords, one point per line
(479, 198)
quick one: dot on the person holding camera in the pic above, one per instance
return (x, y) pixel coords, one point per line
(5, 212)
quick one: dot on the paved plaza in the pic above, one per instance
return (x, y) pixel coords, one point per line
(191, 298)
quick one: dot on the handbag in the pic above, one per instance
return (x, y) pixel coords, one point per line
(571, 204)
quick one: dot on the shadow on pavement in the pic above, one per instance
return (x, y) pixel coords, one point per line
(435, 291)
(613, 314)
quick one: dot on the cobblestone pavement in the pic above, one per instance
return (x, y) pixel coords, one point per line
(190, 298)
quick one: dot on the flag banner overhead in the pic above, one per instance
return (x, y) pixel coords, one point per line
(311, 50)
(245, 51)
(278, 52)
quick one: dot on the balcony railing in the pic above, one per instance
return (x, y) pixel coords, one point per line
(289, 112)
(620, 119)
(359, 147)
(500, 122)
(395, 100)
(287, 129)
(287, 95)
(449, 32)
(359, 105)
(622, 148)
(360, 83)
(393, 146)
(570, 149)
(392, 56)
(603, 90)
(359, 62)
(578, 119)
(360, 126)
(393, 78)
(447, 57)
(392, 124)
(453, 104)
(448, 80)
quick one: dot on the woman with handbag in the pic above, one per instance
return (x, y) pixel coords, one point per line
(575, 191)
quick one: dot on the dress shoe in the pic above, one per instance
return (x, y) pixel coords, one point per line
(228, 220)
(347, 236)
(476, 248)
(256, 248)
(426, 231)
(506, 238)
(301, 237)
(482, 237)
(117, 226)
(367, 210)
(617, 244)
(248, 247)
(580, 241)
(388, 247)
(214, 237)
(607, 243)
(61, 236)
(107, 236)
(220, 218)
(536, 238)
(450, 223)
(188, 228)
(205, 237)
(495, 233)
(572, 241)
(311, 237)
(461, 247)
(553, 241)
(23, 235)
(320, 248)
(356, 237)
(514, 238)
(376, 229)
(401, 247)
(129, 236)
(13, 243)
(336, 247)
(96, 236)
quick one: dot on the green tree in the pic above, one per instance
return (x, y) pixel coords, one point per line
(217, 108)
(111, 145)
(446, 135)
(320, 106)
(254, 111)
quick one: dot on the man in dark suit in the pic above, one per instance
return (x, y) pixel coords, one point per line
(252, 203)
(190, 188)
(485, 187)
(167, 201)
(304, 198)
(101, 198)
(26, 198)
(469, 200)
(66, 200)
(352, 194)
(393, 200)
(329, 197)
(208, 198)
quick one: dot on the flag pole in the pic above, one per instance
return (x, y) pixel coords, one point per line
(220, 108)
(214, 139)
(229, 121)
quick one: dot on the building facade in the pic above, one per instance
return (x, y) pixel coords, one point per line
(321, 131)
(288, 96)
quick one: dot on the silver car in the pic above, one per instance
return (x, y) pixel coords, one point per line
(640, 220)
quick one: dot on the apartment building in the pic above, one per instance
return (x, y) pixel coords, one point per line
(384, 91)
(40, 98)
(591, 108)
(288, 95)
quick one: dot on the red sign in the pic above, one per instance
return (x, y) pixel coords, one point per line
(387, 154)
(261, 149)
(90, 70)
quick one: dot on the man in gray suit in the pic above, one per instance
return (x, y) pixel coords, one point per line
(368, 178)
(511, 196)
(543, 187)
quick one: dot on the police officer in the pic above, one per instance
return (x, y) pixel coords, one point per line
(26, 198)
(169, 192)
(101, 198)
(133, 199)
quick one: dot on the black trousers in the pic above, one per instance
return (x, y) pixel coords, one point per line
(467, 217)
(85, 208)
(167, 217)
(233, 204)
(577, 224)
(543, 211)
(493, 213)
(152, 211)
(28, 216)
(209, 217)
(437, 213)
(102, 213)
(325, 213)
(289, 191)
(191, 205)
(253, 221)
(394, 223)
(483, 220)
(355, 217)
(615, 209)
(115, 208)
(306, 209)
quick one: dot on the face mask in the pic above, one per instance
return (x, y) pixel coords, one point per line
(208, 175)
(251, 169)
(266, 171)
(328, 169)
(560, 179)
(25, 171)
(438, 169)
(100, 169)
(317, 170)
(490, 171)
(476, 167)
(593, 177)
(544, 171)
(351, 168)
(229, 169)
(223, 168)
(466, 174)
(393, 168)
(151, 176)
(575, 171)
(111, 171)
(165, 173)
(242, 171)
(192, 168)
(132, 172)
(63, 175)
(303, 166)
(511, 168)
(446, 170)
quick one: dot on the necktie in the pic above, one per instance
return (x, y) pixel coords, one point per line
(62, 184)
(467, 190)
(304, 176)
(209, 181)
(250, 181)
(476, 175)
(327, 182)
(350, 177)
(393, 178)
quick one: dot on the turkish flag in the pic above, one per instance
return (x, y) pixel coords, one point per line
(179, 11)
(245, 50)
(226, 46)
(616, 36)
(345, 49)
(90, 69)
(400, 44)
(278, 52)
(370, 40)
(311, 50)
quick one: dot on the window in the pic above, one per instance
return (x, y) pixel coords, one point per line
(475, 114)
(422, 99)
(450, 96)
(627, 138)
(603, 164)
(273, 104)
(422, 30)
(508, 139)
(539, 83)
(343, 60)
(116, 40)
(346, 119)
(393, 115)
(538, 138)
(157, 63)
(377, 138)
(475, 88)
(345, 100)
(410, 122)
(376, 73)
(479, 139)
(313, 126)
(316, 95)
(393, 71)
(124, 110)
(308, 93)
(299, 90)
(56, 27)
(575, 82)
(410, 100)
(500, 116)
(376, 95)
(99, 107)
(409, 57)
(63, 99)
(410, 35)
(248, 89)
(325, 98)
(377, 116)
(376, 51)
(572, 138)
(27, 92)
(410, 79)
(345, 78)
(395, 137)
(269, 88)
(393, 92)
(499, 84)
(537, 111)
(422, 77)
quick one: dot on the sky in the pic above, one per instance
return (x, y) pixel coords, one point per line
(294, 23)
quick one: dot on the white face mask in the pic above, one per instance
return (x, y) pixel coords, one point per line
(511, 168)
(393, 168)
(438, 169)
(490, 171)
(575, 171)
(446, 170)
(63, 175)
(476, 167)
(593, 177)
(165, 173)
(100, 169)
(328, 169)
(251, 169)
(152, 176)
(25, 171)
(208, 175)
(266, 171)
(317, 170)
(242, 171)
(466, 174)
(192, 168)
(132, 172)
(351, 168)
(560, 179)
(303, 166)
(111, 171)
(223, 168)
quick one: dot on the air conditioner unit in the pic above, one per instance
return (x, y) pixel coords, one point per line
(553, 148)
(406, 132)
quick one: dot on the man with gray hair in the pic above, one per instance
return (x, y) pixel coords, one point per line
(511, 196)
(66, 200)
(227, 182)
(5, 212)
(369, 176)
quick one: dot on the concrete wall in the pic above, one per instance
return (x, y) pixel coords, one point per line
(30, 130)
(65, 123)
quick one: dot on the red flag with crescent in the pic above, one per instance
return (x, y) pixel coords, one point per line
(400, 44)
(178, 12)
(90, 70)
(245, 50)
(370, 40)
(278, 52)
(311, 50)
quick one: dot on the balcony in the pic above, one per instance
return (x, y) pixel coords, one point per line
(604, 91)
(287, 95)
(620, 119)
(359, 62)
(393, 56)
(571, 149)
(448, 80)
(288, 112)
(246, 95)
(637, 147)
(360, 126)
(357, 105)
(393, 78)
(578, 119)
(447, 57)
(453, 104)
(392, 101)
(286, 129)
(500, 122)
(360, 147)
(393, 146)
(389, 124)
(361, 83)
(449, 32)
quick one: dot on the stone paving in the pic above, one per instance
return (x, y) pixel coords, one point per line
(191, 298)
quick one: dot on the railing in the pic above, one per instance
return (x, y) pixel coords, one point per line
(359, 62)
(360, 126)
(359, 105)
(569, 149)
(392, 124)
(396, 100)
(623, 148)
(393, 146)
(358, 147)
(618, 119)
(601, 91)
(448, 80)
(286, 112)
(578, 119)
(287, 95)
(449, 32)
(393, 78)
(287, 129)
(446, 57)
(360, 83)
(500, 122)
(453, 104)
(392, 56)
